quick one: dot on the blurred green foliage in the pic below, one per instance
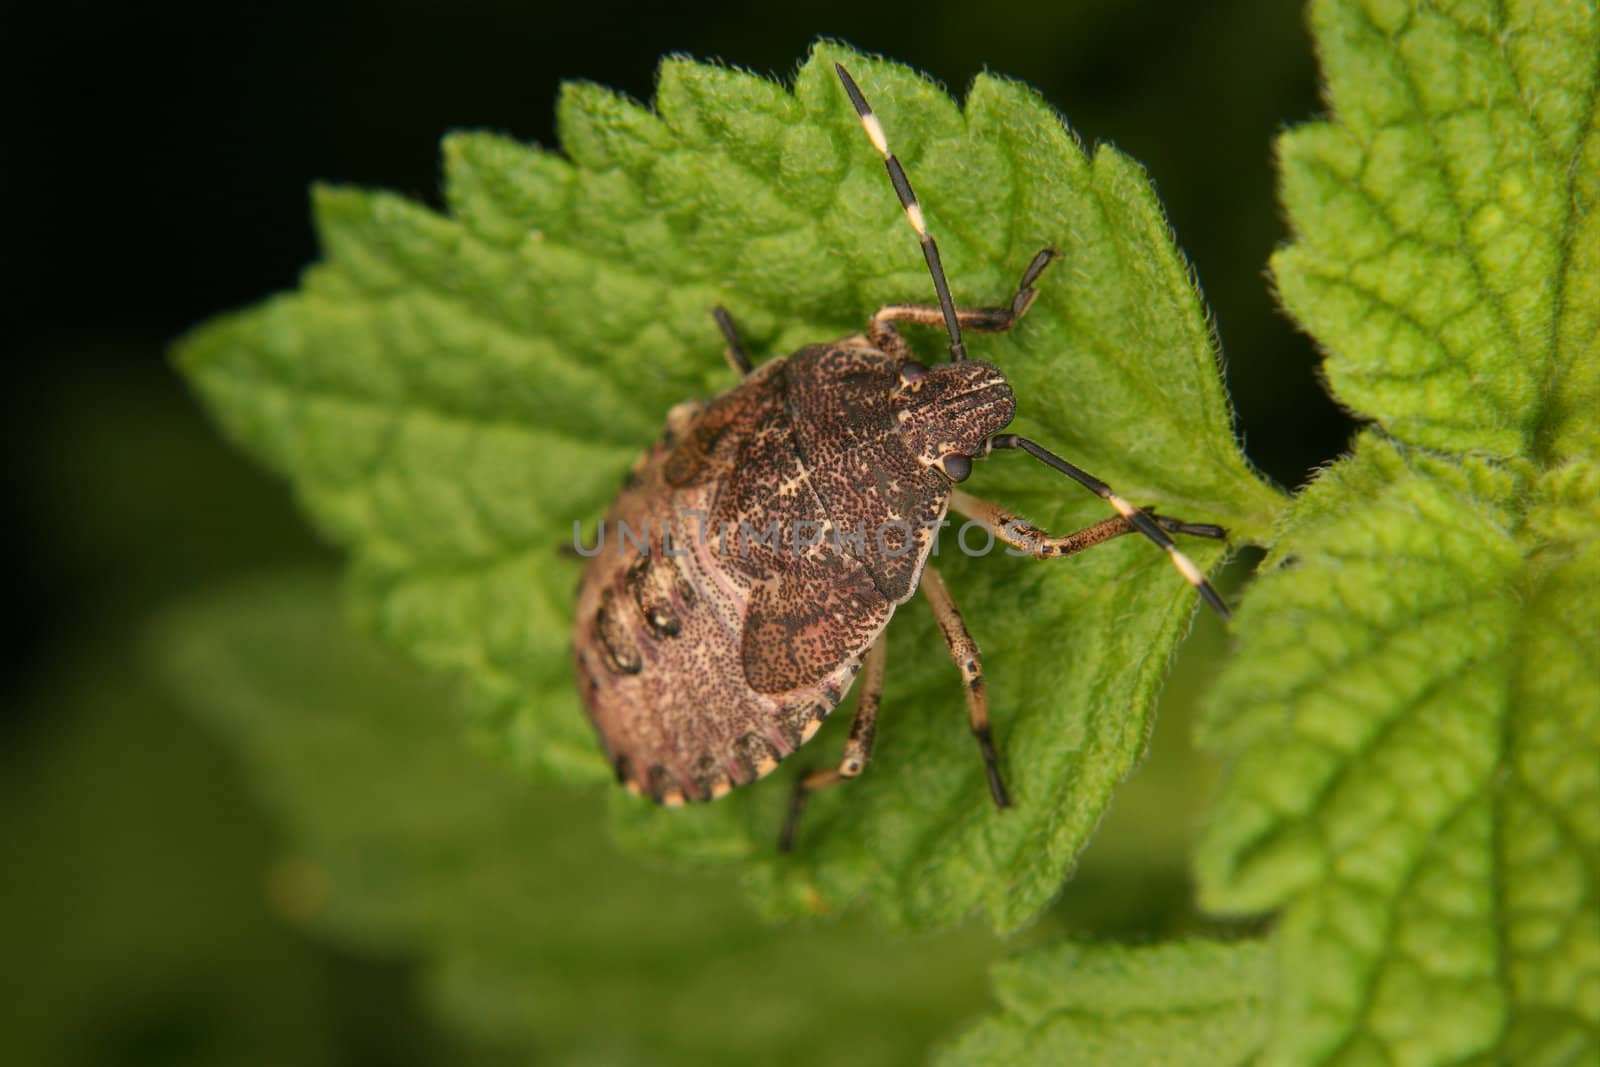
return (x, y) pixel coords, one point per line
(1201, 1003)
(136, 924)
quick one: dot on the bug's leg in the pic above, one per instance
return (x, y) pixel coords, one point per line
(738, 358)
(984, 320)
(1021, 534)
(1139, 520)
(857, 750)
(964, 651)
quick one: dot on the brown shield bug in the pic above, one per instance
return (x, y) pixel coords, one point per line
(761, 546)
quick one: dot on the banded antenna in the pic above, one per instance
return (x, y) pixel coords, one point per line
(908, 200)
(996, 319)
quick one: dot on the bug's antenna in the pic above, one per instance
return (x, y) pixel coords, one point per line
(908, 200)
(1138, 519)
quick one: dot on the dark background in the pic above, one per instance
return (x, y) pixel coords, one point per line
(156, 174)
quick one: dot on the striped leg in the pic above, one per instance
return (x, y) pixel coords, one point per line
(1022, 534)
(964, 651)
(1139, 520)
(857, 749)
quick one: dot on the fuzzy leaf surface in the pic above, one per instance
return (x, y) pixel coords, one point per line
(1413, 713)
(1195, 1002)
(450, 391)
(1447, 247)
(531, 932)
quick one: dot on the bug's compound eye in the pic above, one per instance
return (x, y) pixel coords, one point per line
(956, 467)
(912, 374)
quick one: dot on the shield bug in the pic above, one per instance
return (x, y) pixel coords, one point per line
(759, 549)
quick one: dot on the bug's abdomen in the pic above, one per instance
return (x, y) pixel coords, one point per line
(663, 633)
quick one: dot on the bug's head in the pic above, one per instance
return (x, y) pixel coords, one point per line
(947, 413)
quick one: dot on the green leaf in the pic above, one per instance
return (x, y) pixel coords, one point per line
(1198, 1003)
(1416, 712)
(1414, 707)
(402, 839)
(1447, 250)
(449, 392)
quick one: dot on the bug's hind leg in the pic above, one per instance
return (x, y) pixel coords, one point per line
(857, 750)
(964, 651)
(738, 358)
(882, 331)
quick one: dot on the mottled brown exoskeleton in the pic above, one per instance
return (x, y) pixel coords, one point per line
(759, 549)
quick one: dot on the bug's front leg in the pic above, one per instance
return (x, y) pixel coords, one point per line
(857, 750)
(1021, 534)
(882, 330)
(1152, 527)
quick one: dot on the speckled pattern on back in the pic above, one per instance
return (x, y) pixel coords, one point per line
(707, 659)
